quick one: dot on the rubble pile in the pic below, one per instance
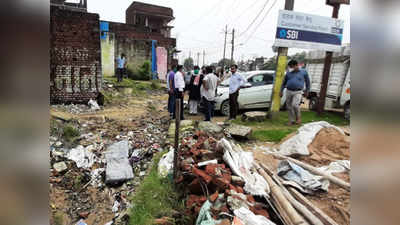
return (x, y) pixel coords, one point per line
(86, 182)
(211, 186)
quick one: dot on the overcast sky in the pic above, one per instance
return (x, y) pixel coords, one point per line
(199, 24)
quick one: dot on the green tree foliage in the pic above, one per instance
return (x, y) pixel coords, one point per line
(188, 64)
(143, 73)
(226, 62)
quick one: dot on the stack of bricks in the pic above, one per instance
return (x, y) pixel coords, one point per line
(75, 56)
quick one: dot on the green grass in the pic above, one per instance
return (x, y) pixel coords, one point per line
(70, 133)
(275, 131)
(155, 198)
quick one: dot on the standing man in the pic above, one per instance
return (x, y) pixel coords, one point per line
(194, 90)
(294, 83)
(179, 82)
(171, 91)
(235, 82)
(121, 62)
(208, 89)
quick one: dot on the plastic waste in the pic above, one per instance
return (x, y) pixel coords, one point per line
(247, 217)
(166, 164)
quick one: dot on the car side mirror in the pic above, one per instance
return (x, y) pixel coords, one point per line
(247, 85)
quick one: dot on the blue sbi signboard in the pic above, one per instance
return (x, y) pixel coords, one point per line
(300, 30)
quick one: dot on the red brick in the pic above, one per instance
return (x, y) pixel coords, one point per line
(211, 169)
(239, 189)
(225, 222)
(195, 187)
(202, 174)
(250, 198)
(221, 183)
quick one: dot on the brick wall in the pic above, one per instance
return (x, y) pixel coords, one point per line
(135, 43)
(75, 56)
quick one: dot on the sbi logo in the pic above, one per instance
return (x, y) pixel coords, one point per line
(282, 33)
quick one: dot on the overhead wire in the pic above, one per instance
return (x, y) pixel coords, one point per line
(255, 19)
(265, 16)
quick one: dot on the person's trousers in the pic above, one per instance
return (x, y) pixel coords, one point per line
(209, 113)
(193, 106)
(233, 105)
(293, 101)
(120, 74)
(171, 103)
(178, 96)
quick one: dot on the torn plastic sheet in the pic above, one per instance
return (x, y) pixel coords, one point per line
(247, 217)
(241, 163)
(93, 105)
(204, 217)
(309, 182)
(82, 156)
(339, 166)
(118, 167)
(166, 163)
(298, 144)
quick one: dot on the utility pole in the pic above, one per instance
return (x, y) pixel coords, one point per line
(233, 45)
(280, 74)
(190, 54)
(327, 69)
(223, 59)
(204, 57)
(198, 58)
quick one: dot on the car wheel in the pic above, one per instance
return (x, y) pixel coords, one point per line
(225, 108)
(313, 104)
(347, 111)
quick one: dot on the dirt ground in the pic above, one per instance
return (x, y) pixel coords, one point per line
(328, 146)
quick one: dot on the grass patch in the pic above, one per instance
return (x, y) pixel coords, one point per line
(154, 199)
(275, 131)
(70, 133)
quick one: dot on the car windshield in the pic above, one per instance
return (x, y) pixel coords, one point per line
(225, 83)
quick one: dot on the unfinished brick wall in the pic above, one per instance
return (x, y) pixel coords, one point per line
(75, 56)
(135, 43)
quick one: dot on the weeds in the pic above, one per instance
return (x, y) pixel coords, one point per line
(70, 133)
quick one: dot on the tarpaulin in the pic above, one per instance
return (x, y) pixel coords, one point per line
(154, 59)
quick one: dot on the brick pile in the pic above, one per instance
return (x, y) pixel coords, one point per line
(213, 182)
(75, 56)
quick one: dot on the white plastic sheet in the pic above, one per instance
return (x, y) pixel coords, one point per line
(336, 167)
(309, 182)
(205, 217)
(298, 144)
(166, 163)
(241, 163)
(83, 157)
(93, 105)
(247, 217)
(118, 167)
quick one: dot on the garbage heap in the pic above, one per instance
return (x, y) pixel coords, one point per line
(214, 194)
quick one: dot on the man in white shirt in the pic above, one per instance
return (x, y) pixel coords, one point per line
(208, 89)
(235, 82)
(179, 83)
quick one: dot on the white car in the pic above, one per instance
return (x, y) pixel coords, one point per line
(255, 94)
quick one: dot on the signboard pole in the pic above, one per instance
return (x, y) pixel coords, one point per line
(280, 74)
(327, 70)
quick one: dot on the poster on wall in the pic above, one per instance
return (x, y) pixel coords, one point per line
(162, 67)
(306, 31)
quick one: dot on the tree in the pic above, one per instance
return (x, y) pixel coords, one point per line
(226, 62)
(299, 57)
(188, 64)
(270, 64)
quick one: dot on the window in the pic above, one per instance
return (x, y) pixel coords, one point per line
(269, 78)
(257, 80)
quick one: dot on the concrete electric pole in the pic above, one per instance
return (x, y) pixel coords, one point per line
(233, 45)
(223, 59)
(198, 58)
(280, 74)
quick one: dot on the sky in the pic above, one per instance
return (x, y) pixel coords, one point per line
(199, 24)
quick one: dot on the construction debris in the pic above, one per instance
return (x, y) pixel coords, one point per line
(238, 131)
(254, 116)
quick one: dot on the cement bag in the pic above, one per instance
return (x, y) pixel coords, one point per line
(241, 163)
(82, 157)
(166, 164)
(298, 144)
(247, 217)
(118, 167)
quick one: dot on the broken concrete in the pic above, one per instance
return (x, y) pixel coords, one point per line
(209, 127)
(238, 131)
(254, 116)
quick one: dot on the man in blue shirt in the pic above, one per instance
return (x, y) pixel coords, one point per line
(294, 82)
(235, 82)
(121, 63)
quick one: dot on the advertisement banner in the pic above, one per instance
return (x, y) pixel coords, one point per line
(306, 31)
(162, 60)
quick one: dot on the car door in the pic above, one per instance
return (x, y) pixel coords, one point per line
(253, 97)
(268, 88)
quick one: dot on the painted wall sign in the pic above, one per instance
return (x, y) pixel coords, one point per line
(306, 31)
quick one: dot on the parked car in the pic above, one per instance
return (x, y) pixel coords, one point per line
(255, 94)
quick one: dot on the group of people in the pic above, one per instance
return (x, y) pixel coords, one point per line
(201, 87)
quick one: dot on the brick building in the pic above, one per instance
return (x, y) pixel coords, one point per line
(144, 23)
(75, 54)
